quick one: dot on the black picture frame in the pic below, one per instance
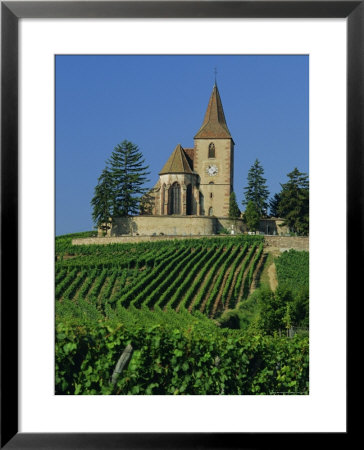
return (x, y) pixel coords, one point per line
(11, 12)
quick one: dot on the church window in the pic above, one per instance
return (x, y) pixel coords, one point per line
(175, 199)
(189, 200)
(202, 205)
(211, 212)
(211, 182)
(211, 195)
(212, 150)
(163, 198)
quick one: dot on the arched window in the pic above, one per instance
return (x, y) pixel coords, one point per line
(175, 199)
(202, 204)
(211, 212)
(212, 150)
(163, 189)
(189, 200)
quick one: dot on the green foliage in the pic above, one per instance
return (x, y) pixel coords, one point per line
(294, 203)
(64, 242)
(103, 201)
(175, 352)
(270, 312)
(223, 230)
(256, 191)
(252, 217)
(177, 361)
(293, 274)
(120, 191)
(129, 174)
(274, 205)
(273, 307)
(293, 270)
(230, 319)
(147, 203)
(249, 277)
(234, 211)
(238, 289)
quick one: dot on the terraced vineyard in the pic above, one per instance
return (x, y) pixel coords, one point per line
(167, 301)
(209, 275)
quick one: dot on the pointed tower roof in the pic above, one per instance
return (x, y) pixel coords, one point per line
(177, 162)
(214, 124)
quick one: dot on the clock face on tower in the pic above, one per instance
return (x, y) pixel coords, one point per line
(212, 170)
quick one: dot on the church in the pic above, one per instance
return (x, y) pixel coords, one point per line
(198, 181)
(192, 194)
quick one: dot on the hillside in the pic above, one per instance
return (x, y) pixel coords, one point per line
(170, 300)
(210, 275)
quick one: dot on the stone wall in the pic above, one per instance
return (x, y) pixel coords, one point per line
(187, 226)
(236, 226)
(283, 243)
(164, 225)
(133, 239)
(272, 243)
(273, 226)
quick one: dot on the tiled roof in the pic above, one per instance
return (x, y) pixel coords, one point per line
(214, 124)
(190, 153)
(177, 162)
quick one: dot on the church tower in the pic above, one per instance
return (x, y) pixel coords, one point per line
(214, 160)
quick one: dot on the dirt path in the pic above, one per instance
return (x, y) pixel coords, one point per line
(272, 274)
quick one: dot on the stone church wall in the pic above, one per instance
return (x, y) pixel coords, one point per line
(164, 225)
(188, 226)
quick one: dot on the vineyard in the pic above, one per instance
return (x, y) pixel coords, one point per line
(165, 298)
(293, 270)
(210, 275)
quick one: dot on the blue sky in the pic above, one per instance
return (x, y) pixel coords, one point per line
(158, 102)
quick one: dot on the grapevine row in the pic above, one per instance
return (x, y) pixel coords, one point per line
(217, 285)
(146, 281)
(181, 290)
(167, 279)
(207, 284)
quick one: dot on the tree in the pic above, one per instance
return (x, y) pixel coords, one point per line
(103, 201)
(252, 217)
(234, 211)
(256, 190)
(274, 204)
(294, 203)
(129, 174)
(147, 203)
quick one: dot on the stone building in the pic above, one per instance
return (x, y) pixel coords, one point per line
(192, 194)
(198, 181)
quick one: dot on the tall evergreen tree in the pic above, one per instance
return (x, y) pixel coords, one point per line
(256, 190)
(273, 205)
(294, 203)
(103, 201)
(129, 174)
(251, 217)
(234, 211)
